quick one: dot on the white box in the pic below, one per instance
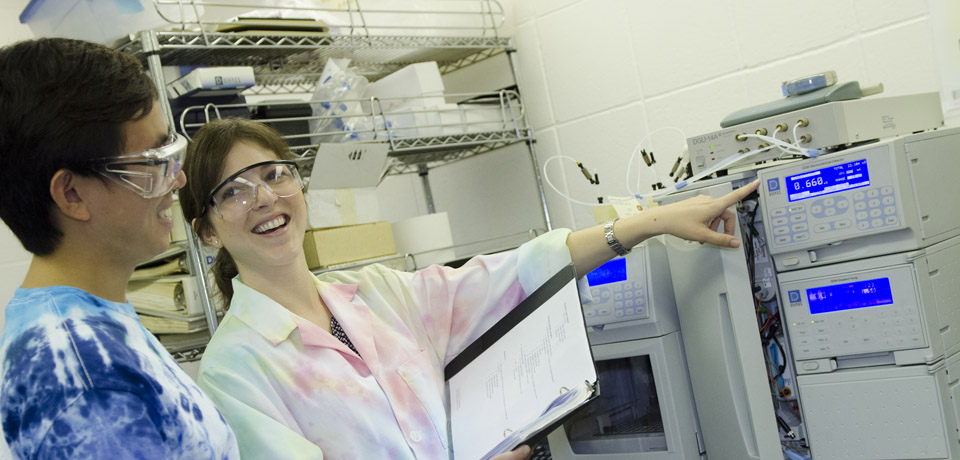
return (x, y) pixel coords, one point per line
(427, 238)
(212, 81)
(339, 207)
(412, 81)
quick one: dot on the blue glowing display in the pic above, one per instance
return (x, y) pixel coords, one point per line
(828, 180)
(849, 296)
(610, 272)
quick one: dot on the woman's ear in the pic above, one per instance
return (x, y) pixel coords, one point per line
(206, 234)
(67, 195)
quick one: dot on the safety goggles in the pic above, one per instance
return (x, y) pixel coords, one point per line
(150, 173)
(237, 194)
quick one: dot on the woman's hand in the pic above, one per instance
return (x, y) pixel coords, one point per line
(695, 219)
(698, 218)
(520, 453)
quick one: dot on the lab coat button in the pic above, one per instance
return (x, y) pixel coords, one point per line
(416, 436)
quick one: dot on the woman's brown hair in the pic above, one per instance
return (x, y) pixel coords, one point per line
(203, 166)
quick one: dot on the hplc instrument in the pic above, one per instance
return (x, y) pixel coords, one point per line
(881, 198)
(631, 297)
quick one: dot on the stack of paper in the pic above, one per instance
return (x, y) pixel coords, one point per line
(169, 305)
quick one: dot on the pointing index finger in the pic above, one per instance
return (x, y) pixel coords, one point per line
(735, 196)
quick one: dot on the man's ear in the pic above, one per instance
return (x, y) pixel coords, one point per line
(207, 234)
(68, 196)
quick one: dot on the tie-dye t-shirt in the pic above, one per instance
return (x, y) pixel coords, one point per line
(291, 390)
(82, 379)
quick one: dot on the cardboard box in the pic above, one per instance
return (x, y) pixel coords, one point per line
(330, 246)
(342, 206)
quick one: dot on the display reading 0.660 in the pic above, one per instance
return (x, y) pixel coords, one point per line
(833, 179)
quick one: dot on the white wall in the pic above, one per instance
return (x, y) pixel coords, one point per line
(599, 75)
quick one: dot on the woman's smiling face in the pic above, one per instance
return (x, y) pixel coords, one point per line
(271, 233)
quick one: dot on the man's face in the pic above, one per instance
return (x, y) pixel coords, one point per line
(136, 228)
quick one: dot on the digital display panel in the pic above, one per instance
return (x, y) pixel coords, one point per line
(849, 296)
(828, 180)
(610, 272)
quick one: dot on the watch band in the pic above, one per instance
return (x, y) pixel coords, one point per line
(612, 240)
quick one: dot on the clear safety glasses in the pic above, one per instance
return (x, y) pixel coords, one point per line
(151, 173)
(237, 194)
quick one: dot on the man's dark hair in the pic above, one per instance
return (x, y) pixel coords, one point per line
(62, 103)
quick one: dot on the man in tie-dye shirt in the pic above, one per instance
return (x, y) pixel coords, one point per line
(87, 171)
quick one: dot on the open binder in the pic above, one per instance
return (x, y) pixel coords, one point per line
(522, 378)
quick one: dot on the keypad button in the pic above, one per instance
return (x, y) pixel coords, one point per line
(890, 220)
(873, 203)
(801, 237)
(591, 313)
(628, 295)
(606, 311)
(876, 222)
(888, 200)
(861, 215)
(628, 303)
(606, 294)
(778, 212)
(595, 292)
(831, 212)
(617, 288)
(801, 227)
(782, 239)
(859, 195)
(859, 206)
(820, 228)
(886, 190)
(619, 314)
(797, 208)
(798, 218)
(780, 221)
(873, 193)
(876, 213)
(863, 225)
(630, 311)
(829, 202)
(781, 230)
(889, 210)
(816, 209)
(842, 203)
(618, 296)
(842, 224)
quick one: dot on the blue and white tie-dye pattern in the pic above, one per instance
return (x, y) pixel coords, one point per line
(82, 379)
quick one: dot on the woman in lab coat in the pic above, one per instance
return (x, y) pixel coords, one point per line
(349, 364)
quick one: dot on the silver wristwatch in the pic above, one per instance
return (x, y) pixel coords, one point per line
(612, 240)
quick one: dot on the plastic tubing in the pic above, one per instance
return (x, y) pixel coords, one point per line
(791, 148)
(555, 189)
(636, 151)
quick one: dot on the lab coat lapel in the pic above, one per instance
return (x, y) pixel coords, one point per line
(355, 319)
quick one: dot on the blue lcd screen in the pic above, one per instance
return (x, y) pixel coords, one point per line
(828, 180)
(610, 272)
(849, 296)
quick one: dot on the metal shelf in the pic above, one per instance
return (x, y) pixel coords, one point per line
(276, 58)
(453, 33)
(497, 120)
